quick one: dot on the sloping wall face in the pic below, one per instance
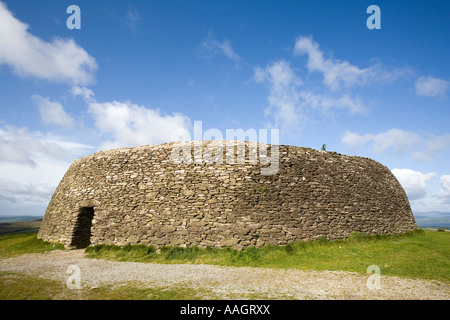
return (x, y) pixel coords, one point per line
(141, 196)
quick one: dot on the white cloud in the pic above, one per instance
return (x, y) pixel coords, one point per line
(14, 192)
(444, 194)
(211, 47)
(326, 103)
(20, 146)
(52, 112)
(414, 182)
(86, 93)
(132, 17)
(422, 197)
(396, 140)
(289, 102)
(31, 166)
(399, 142)
(28, 190)
(61, 60)
(431, 86)
(284, 97)
(125, 124)
(279, 74)
(338, 73)
(433, 145)
(353, 140)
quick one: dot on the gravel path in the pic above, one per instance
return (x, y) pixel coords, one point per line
(224, 282)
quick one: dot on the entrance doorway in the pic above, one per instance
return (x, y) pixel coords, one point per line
(81, 237)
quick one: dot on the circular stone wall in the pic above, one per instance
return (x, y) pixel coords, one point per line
(142, 196)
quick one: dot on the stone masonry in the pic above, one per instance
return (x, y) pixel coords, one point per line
(140, 196)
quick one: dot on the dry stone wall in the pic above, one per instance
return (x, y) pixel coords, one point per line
(140, 196)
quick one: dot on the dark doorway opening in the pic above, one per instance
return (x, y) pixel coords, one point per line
(81, 237)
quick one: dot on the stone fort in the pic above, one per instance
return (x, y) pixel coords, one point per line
(141, 196)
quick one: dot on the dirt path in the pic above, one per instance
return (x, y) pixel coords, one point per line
(225, 282)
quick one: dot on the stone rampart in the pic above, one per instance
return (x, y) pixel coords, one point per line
(141, 196)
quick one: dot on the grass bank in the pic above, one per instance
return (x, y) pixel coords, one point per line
(12, 245)
(419, 254)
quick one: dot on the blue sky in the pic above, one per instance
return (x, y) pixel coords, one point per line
(137, 71)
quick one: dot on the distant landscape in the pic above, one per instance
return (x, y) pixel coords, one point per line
(8, 219)
(433, 220)
(24, 224)
(19, 224)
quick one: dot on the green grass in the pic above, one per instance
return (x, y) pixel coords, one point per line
(12, 245)
(25, 287)
(419, 254)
